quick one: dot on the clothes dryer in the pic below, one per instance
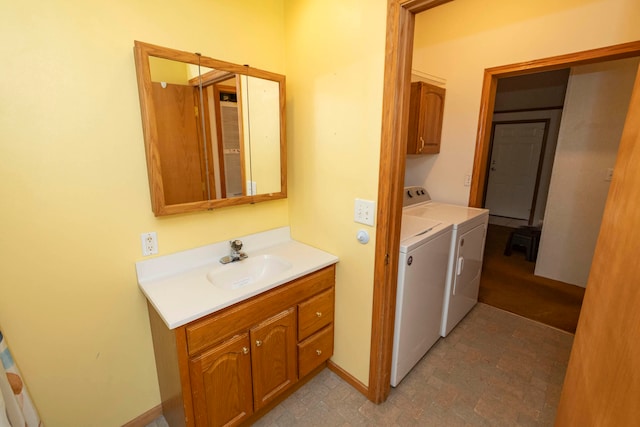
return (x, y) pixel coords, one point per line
(464, 265)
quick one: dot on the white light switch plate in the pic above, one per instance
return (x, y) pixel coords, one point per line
(364, 211)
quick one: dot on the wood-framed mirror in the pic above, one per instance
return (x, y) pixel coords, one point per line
(214, 131)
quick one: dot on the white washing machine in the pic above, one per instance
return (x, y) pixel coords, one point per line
(422, 275)
(467, 249)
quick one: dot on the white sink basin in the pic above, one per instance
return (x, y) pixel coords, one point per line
(179, 285)
(237, 274)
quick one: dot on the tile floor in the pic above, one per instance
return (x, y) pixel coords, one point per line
(494, 369)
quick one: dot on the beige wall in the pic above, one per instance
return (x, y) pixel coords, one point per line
(335, 60)
(75, 193)
(594, 113)
(459, 40)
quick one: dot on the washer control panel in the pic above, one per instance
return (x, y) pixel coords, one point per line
(414, 195)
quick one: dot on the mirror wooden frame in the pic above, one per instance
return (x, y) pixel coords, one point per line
(142, 52)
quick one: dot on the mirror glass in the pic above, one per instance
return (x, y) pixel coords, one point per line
(214, 131)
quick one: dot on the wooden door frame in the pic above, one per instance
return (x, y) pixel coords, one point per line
(395, 118)
(490, 84)
(393, 147)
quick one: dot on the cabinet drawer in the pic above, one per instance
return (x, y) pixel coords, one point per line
(315, 313)
(315, 350)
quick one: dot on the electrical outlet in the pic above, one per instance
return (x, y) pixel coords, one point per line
(364, 211)
(149, 243)
(467, 180)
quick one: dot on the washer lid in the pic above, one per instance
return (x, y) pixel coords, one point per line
(444, 212)
(415, 226)
(416, 231)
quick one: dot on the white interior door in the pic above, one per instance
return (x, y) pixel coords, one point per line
(513, 169)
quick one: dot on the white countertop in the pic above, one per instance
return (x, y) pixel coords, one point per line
(177, 285)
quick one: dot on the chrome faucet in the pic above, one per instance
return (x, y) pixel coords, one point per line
(236, 254)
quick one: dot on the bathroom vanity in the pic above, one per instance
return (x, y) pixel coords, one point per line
(229, 348)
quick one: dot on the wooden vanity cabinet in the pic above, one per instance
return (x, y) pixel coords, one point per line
(230, 367)
(426, 109)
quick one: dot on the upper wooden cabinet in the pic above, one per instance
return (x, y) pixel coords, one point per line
(425, 118)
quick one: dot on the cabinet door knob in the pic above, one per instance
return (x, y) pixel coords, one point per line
(318, 352)
(245, 350)
(258, 343)
(318, 313)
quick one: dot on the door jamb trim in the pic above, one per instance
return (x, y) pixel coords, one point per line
(490, 84)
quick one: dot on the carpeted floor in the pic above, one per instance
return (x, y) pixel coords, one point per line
(508, 283)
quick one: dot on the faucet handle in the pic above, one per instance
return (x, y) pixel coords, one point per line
(236, 245)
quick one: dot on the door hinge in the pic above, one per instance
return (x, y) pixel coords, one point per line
(386, 259)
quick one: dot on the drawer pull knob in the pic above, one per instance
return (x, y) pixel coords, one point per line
(319, 314)
(258, 343)
(318, 352)
(245, 350)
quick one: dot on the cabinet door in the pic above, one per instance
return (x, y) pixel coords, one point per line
(433, 107)
(425, 118)
(273, 356)
(221, 383)
(414, 146)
